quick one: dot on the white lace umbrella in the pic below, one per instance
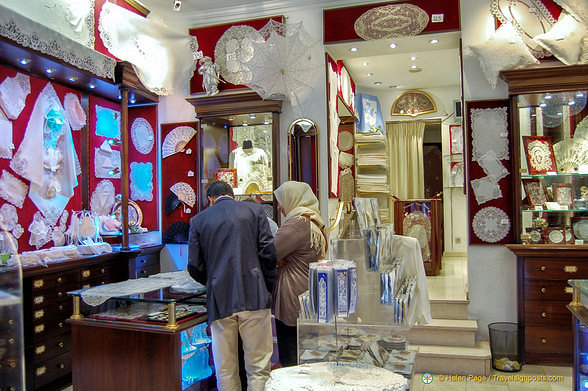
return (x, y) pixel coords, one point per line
(283, 66)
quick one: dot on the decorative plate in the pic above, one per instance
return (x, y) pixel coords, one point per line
(556, 236)
(142, 135)
(581, 229)
(234, 48)
(345, 141)
(491, 224)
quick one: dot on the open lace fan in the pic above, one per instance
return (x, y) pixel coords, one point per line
(184, 192)
(176, 140)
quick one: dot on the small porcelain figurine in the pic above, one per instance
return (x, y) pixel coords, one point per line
(210, 75)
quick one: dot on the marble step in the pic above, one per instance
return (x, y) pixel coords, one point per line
(453, 360)
(449, 309)
(446, 332)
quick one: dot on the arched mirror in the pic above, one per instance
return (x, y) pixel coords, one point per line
(303, 150)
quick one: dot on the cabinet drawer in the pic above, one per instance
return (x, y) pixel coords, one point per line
(147, 260)
(52, 298)
(548, 340)
(49, 328)
(52, 369)
(146, 271)
(547, 314)
(53, 280)
(49, 348)
(99, 271)
(549, 268)
(548, 290)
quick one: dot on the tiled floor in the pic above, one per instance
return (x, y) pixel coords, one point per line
(452, 282)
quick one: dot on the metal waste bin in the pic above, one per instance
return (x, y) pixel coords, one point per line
(506, 345)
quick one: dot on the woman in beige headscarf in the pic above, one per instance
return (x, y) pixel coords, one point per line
(299, 241)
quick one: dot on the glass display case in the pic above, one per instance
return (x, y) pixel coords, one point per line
(580, 321)
(117, 327)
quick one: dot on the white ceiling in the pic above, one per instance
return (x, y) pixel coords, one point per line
(439, 63)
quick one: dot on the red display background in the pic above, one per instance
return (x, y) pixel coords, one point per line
(19, 125)
(338, 23)
(175, 169)
(474, 171)
(207, 39)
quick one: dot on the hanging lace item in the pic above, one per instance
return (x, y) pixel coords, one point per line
(17, 231)
(40, 231)
(491, 224)
(389, 21)
(142, 181)
(75, 112)
(9, 217)
(161, 57)
(232, 49)
(6, 145)
(142, 135)
(486, 189)
(106, 164)
(53, 177)
(489, 132)
(13, 189)
(8, 243)
(102, 199)
(492, 166)
(58, 232)
(346, 185)
(13, 94)
(107, 122)
(418, 225)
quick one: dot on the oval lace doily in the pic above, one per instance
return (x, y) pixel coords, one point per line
(142, 135)
(232, 49)
(491, 224)
(397, 20)
(345, 141)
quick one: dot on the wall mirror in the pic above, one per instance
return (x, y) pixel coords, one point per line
(303, 152)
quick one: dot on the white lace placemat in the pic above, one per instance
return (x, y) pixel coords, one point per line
(99, 294)
(489, 132)
(486, 189)
(491, 224)
(492, 165)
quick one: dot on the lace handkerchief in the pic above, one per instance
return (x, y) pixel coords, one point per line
(6, 145)
(106, 161)
(13, 189)
(489, 132)
(486, 189)
(142, 181)
(75, 112)
(107, 122)
(13, 94)
(492, 165)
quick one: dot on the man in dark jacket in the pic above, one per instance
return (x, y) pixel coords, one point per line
(231, 251)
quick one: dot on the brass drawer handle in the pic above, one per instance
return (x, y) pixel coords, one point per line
(102, 270)
(543, 268)
(61, 366)
(543, 340)
(38, 283)
(11, 341)
(39, 299)
(60, 280)
(570, 269)
(143, 261)
(39, 328)
(10, 322)
(569, 289)
(60, 324)
(39, 314)
(85, 273)
(40, 349)
(41, 371)
(543, 290)
(60, 344)
(544, 314)
(60, 307)
(59, 294)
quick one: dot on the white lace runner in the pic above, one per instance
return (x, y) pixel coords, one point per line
(489, 132)
(102, 199)
(142, 135)
(491, 224)
(492, 165)
(100, 294)
(13, 94)
(13, 189)
(486, 189)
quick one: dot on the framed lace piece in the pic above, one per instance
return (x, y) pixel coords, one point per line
(13, 189)
(142, 135)
(539, 153)
(535, 189)
(102, 199)
(104, 162)
(486, 189)
(563, 194)
(491, 224)
(228, 175)
(107, 122)
(75, 113)
(489, 132)
(6, 145)
(233, 49)
(142, 181)
(389, 21)
(456, 137)
(13, 94)
(492, 166)
(457, 174)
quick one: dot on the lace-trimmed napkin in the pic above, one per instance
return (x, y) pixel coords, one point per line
(486, 189)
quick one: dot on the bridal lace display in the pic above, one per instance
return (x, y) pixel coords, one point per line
(161, 57)
(40, 231)
(141, 181)
(53, 177)
(13, 189)
(8, 216)
(13, 94)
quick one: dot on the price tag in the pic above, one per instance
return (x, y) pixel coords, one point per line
(563, 207)
(579, 242)
(504, 221)
(538, 208)
(551, 173)
(504, 135)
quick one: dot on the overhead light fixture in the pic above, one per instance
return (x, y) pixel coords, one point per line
(114, 142)
(72, 78)
(365, 64)
(413, 67)
(548, 96)
(378, 83)
(434, 41)
(369, 74)
(49, 70)
(393, 45)
(413, 58)
(252, 116)
(91, 86)
(177, 5)
(24, 61)
(266, 122)
(543, 104)
(244, 124)
(572, 102)
(353, 49)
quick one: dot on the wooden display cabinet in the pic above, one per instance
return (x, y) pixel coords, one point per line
(549, 113)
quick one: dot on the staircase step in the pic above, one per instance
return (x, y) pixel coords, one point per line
(449, 309)
(453, 360)
(446, 332)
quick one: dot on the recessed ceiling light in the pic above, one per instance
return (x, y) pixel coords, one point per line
(580, 95)
(413, 58)
(244, 123)
(49, 70)
(353, 49)
(543, 104)
(231, 118)
(132, 100)
(369, 74)
(252, 116)
(392, 86)
(393, 45)
(572, 102)
(266, 122)
(72, 78)
(24, 61)
(413, 67)
(548, 96)
(365, 64)
(92, 86)
(434, 41)
(378, 83)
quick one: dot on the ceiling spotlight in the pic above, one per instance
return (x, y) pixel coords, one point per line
(252, 116)
(91, 86)
(24, 61)
(413, 58)
(543, 104)
(393, 45)
(365, 64)
(548, 96)
(572, 102)
(72, 78)
(378, 83)
(413, 67)
(177, 5)
(266, 122)
(113, 171)
(369, 74)
(353, 49)
(114, 142)
(244, 124)
(50, 70)
(434, 41)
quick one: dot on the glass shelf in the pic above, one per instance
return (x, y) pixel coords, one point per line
(555, 211)
(527, 176)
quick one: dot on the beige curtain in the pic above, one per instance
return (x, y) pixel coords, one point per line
(405, 141)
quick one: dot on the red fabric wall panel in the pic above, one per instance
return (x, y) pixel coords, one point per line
(339, 22)
(19, 125)
(207, 39)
